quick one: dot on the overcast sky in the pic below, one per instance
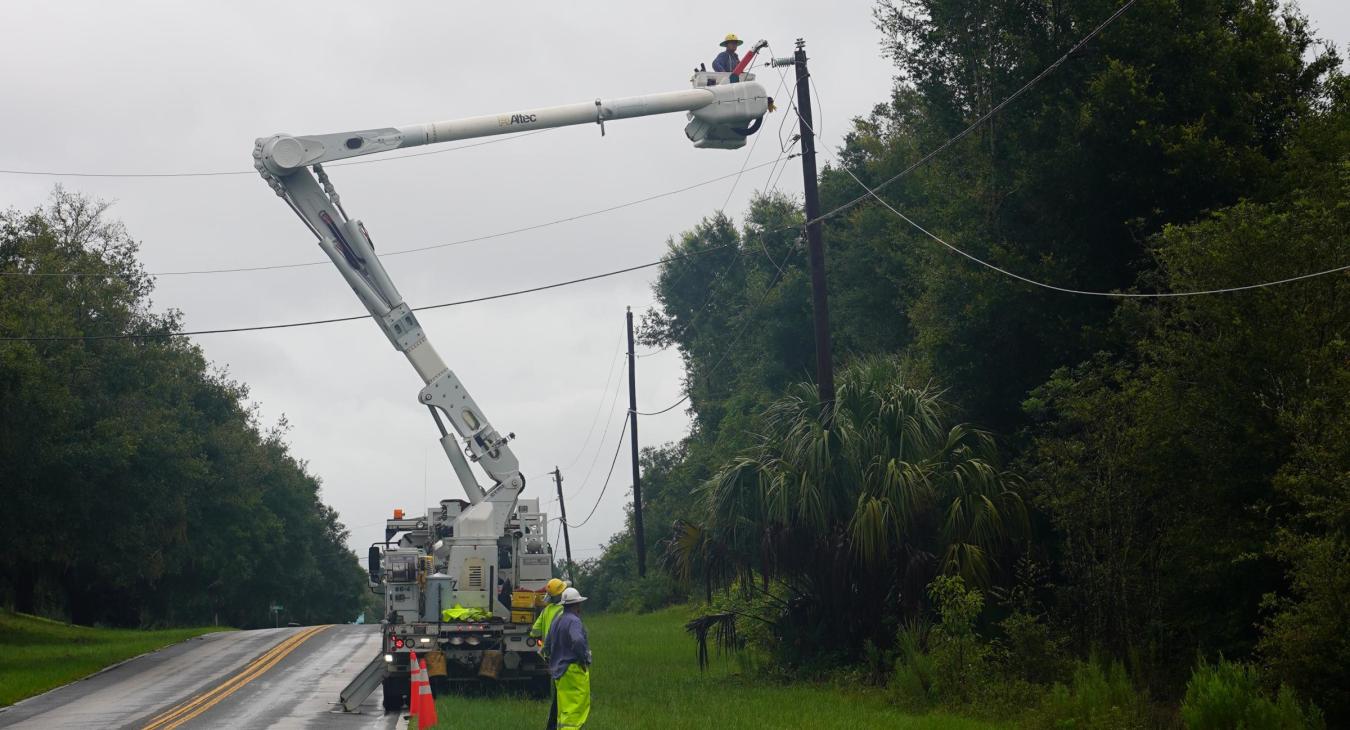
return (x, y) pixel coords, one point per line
(177, 86)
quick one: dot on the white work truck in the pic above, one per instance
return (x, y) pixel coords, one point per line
(485, 556)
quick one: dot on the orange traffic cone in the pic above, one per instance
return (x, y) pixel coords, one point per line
(426, 715)
(414, 693)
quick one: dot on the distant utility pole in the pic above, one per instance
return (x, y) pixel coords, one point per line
(638, 533)
(820, 304)
(567, 540)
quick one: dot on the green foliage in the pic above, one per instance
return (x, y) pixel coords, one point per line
(1167, 471)
(1307, 639)
(913, 684)
(958, 655)
(38, 654)
(1227, 696)
(1096, 699)
(1031, 651)
(644, 679)
(140, 489)
(827, 512)
(1186, 457)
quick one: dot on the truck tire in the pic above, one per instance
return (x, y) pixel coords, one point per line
(395, 693)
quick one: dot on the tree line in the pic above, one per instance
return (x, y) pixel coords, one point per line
(139, 487)
(1159, 480)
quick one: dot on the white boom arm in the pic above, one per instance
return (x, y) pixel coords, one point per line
(716, 115)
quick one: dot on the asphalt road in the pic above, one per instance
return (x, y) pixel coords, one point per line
(273, 678)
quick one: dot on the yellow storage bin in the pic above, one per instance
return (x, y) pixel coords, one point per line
(521, 600)
(522, 617)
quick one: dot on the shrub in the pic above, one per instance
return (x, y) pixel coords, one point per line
(1095, 698)
(958, 653)
(947, 663)
(912, 683)
(1031, 652)
(1228, 695)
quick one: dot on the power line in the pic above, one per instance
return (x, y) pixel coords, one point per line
(751, 153)
(224, 173)
(1044, 73)
(419, 249)
(613, 360)
(607, 478)
(308, 323)
(871, 192)
(735, 340)
(599, 447)
(984, 117)
(835, 211)
(711, 286)
(1114, 295)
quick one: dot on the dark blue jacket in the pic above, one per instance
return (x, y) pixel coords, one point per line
(566, 644)
(726, 61)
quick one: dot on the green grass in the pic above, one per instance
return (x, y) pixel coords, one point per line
(37, 654)
(645, 676)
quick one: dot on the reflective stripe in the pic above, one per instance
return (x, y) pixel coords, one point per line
(574, 696)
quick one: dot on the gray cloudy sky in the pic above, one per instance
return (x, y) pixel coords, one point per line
(177, 86)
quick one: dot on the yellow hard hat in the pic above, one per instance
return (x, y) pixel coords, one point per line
(555, 587)
(731, 38)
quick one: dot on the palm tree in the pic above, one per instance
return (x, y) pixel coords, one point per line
(851, 522)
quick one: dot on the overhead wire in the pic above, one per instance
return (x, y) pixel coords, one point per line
(1054, 287)
(333, 320)
(734, 341)
(401, 252)
(601, 496)
(751, 153)
(984, 117)
(713, 284)
(601, 445)
(613, 360)
(1097, 30)
(1082, 292)
(783, 153)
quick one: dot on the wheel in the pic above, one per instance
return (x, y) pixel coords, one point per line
(395, 693)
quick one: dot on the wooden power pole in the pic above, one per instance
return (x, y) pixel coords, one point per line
(819, 299)
(638, 533)
(567, 540)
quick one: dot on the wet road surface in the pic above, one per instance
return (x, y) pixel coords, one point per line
(276, 678)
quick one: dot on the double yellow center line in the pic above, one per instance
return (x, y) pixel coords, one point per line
(205, 701)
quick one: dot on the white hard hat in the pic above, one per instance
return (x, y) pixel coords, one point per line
(571, 596)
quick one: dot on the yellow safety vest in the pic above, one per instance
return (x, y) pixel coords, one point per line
(545, 621)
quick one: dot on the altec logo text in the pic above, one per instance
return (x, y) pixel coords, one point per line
(524, 118)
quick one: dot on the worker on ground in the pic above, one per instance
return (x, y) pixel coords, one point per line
(727, 60)
(569, 662)
(539, 631)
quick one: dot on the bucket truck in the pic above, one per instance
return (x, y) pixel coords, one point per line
(463, 581)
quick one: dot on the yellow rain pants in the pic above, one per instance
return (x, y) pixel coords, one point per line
(574, 696)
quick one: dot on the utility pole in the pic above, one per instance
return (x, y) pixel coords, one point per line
(562, 507)
(638, 533)
(819, 304)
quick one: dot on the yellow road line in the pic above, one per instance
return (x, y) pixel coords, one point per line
(201, 703)
(183, 707)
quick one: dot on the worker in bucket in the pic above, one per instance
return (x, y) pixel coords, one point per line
(727, 60)
(569, 662)
(539, 632)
